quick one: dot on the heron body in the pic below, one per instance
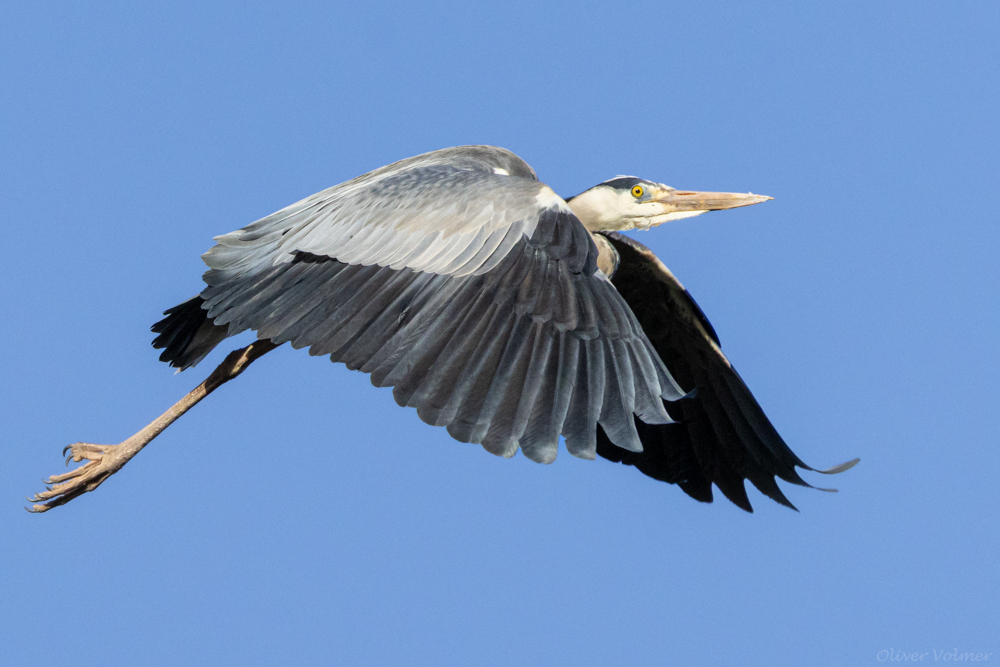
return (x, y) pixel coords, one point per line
(497, 309)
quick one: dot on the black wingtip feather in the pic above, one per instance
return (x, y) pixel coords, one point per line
(178, 328)
(731, 438)
(186, 334)
(699, 489)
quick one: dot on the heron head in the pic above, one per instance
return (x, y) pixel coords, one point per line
(627, 202)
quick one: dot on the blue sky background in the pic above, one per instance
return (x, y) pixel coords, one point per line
(298, 516)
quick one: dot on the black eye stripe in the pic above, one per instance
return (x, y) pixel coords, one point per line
(624, 183)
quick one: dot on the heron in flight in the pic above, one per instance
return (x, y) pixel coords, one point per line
(497, 309)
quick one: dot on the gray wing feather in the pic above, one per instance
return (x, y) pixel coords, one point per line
(466, 285)
(405, 219)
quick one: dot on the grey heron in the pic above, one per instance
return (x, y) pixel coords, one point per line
(497, 309)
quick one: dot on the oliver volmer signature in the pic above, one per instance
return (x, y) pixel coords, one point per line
(943, 655)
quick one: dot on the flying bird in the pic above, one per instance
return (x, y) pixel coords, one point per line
(508, 315)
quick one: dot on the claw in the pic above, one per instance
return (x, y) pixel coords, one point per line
(60, 489)
(39, 508)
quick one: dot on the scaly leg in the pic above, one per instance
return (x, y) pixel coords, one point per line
(105, 460)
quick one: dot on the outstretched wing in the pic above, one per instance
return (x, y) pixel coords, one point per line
(461, 281)
(721, 434)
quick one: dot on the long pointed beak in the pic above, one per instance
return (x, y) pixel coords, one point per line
(680, 200)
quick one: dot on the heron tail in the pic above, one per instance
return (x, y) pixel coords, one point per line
(186, 334)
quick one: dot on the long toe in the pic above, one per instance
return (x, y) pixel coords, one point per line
(66, 486)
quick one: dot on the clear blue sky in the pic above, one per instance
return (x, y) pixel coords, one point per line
(299, 517)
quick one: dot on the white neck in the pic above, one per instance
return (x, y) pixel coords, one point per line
(603, 209)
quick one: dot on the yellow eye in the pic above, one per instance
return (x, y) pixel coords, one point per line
(637, 191)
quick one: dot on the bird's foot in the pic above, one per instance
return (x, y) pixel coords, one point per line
(102, 462)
